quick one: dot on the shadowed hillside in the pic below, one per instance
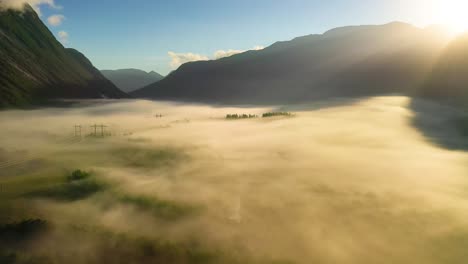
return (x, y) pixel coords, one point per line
(35, 66)
(349, 61)
(448, 81)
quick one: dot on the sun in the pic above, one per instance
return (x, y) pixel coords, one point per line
(452, 14)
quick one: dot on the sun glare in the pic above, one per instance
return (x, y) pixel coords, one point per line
(453, 14)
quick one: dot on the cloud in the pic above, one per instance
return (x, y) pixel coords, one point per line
(55, 20)
(63, 36)
(20, 4)
(227, 53)
(178, 59)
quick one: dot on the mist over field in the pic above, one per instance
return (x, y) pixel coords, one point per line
(374, 180)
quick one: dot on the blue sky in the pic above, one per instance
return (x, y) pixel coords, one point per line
(117, 34)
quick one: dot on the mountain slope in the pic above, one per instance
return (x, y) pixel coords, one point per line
(36, 67)
(448, 82)
(349, 61)
(131, 79)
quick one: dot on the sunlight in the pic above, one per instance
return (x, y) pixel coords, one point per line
(452, 13)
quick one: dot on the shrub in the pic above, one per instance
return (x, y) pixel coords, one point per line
(78, 175)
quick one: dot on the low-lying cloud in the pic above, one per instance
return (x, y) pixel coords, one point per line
(178, 59)
(20, 4)
(56, 20)
(63, 36)
(228, 53)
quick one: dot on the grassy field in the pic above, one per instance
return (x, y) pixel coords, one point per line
(353, 182)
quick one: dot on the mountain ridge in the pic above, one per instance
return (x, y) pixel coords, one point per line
(347, 61)
(37, 68)
(131, 79)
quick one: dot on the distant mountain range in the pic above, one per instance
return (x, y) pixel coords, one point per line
(35, 67)
(129, 80)
(348, 61)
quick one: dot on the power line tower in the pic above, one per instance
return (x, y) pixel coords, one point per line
(78, 131)
(101, 127)
(95, 130)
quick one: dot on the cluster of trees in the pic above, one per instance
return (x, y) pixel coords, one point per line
(243, 116)
(272, 114)
(265, 115)
(78, 175)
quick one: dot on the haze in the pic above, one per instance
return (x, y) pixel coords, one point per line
(233, 132)
(342, 181)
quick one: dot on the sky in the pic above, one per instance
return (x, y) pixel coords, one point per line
(159, 35)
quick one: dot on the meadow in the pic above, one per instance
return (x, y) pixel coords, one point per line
(374, 180)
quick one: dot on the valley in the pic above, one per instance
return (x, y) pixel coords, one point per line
(342, 180)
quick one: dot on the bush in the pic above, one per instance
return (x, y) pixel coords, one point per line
(78, 175)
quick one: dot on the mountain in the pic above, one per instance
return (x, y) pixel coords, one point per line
(35, 67)
(448, 81)
(129, 80)
(348, 61)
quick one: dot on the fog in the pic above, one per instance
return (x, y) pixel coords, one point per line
(345, 181)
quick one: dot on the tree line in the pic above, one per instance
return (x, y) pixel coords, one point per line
(265, 115)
